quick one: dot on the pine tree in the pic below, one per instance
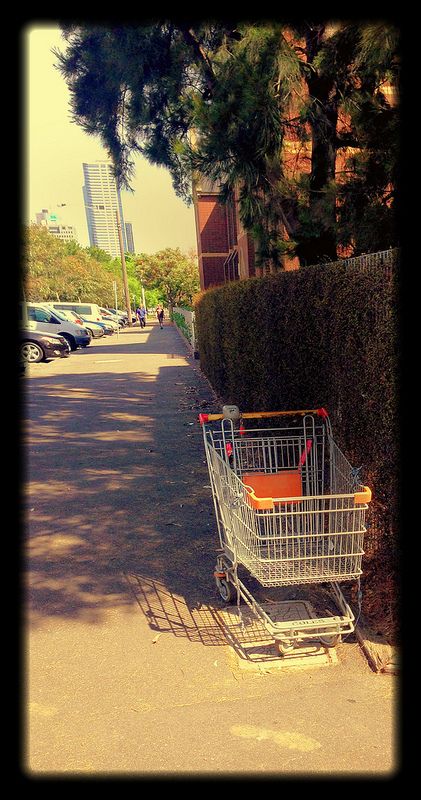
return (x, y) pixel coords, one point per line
(225, 99)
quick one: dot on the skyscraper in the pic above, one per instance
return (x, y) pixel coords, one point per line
(101, 196)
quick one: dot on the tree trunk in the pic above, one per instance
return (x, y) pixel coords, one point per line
(324, 120)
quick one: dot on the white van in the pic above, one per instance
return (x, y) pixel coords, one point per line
(45, 319)
(88, 311)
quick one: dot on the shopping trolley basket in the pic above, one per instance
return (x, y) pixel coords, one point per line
(288, 508)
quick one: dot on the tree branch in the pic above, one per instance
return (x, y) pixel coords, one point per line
(200, 55)
(347, 140)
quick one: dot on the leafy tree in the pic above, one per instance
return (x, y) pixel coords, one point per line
(64, 270)
(223, 98)
(102, 257)
(368, 193)
(317, 84)
(240, 135)
(44, 274)
(173, 273)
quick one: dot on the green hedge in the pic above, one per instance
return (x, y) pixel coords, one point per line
(179, 320)
(320, 336)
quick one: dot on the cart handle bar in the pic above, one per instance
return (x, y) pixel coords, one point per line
(203, 418)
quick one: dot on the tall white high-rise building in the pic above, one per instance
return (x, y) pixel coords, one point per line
(101, 196)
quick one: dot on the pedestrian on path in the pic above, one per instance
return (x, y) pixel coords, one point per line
(141, 314)
(160, 315)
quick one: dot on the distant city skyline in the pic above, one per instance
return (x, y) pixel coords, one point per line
(102, 201)
(56, 148)
(52, 223)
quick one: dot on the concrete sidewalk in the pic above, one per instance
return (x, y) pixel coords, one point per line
(132, 667)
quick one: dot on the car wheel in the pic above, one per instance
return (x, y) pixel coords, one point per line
(71, 341)
(31, 353)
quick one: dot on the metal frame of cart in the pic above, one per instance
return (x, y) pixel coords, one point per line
(289, 508)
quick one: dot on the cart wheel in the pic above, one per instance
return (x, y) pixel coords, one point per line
(330, 641)
(225, 590)
(285, 647)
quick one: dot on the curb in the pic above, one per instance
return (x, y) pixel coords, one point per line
(381, 656)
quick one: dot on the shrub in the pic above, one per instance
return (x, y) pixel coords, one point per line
(179, 320)
(320, 336)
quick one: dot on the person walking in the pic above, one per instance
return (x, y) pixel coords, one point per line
(142, 316)
(138, 315)
(160, 315)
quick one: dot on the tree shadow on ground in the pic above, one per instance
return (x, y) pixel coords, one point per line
(115, 483)
(117, 505)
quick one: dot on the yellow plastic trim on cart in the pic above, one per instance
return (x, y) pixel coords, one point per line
(259, 503)
(266, 489)
(363, 497)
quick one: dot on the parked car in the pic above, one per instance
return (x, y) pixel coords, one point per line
(124, 314)
(94, 329)
(101, 328)
(87, 310)
(119, 315)
(66, 315)
(108, 329)
(108, 318)
(37, 346)
(47, 321)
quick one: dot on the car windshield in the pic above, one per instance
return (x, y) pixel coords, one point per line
(59, 314)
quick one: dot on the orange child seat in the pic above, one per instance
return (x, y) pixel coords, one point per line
(263, 487)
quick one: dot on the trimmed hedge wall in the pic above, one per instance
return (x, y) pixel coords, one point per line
(321, 336)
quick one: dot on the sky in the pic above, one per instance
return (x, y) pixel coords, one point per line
(55, 149)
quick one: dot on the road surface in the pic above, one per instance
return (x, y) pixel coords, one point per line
(131, 663)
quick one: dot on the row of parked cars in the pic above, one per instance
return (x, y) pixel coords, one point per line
(55, 329)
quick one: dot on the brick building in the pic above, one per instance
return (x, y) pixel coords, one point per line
(225, 249)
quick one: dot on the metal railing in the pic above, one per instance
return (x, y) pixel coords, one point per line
(372, 262)
(189, 321)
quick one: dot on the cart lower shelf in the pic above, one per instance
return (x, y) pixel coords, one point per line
(286, 633)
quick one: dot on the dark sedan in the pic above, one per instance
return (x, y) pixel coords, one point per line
(38, 346)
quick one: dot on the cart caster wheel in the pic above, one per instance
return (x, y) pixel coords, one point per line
(330, 641)
(285, 647)
(225, 590)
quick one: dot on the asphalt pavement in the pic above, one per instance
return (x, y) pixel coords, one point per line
(132, 664)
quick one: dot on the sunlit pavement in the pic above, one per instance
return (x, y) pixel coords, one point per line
(133, 665)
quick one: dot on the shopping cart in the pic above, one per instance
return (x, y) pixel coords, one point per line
(289, 509)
